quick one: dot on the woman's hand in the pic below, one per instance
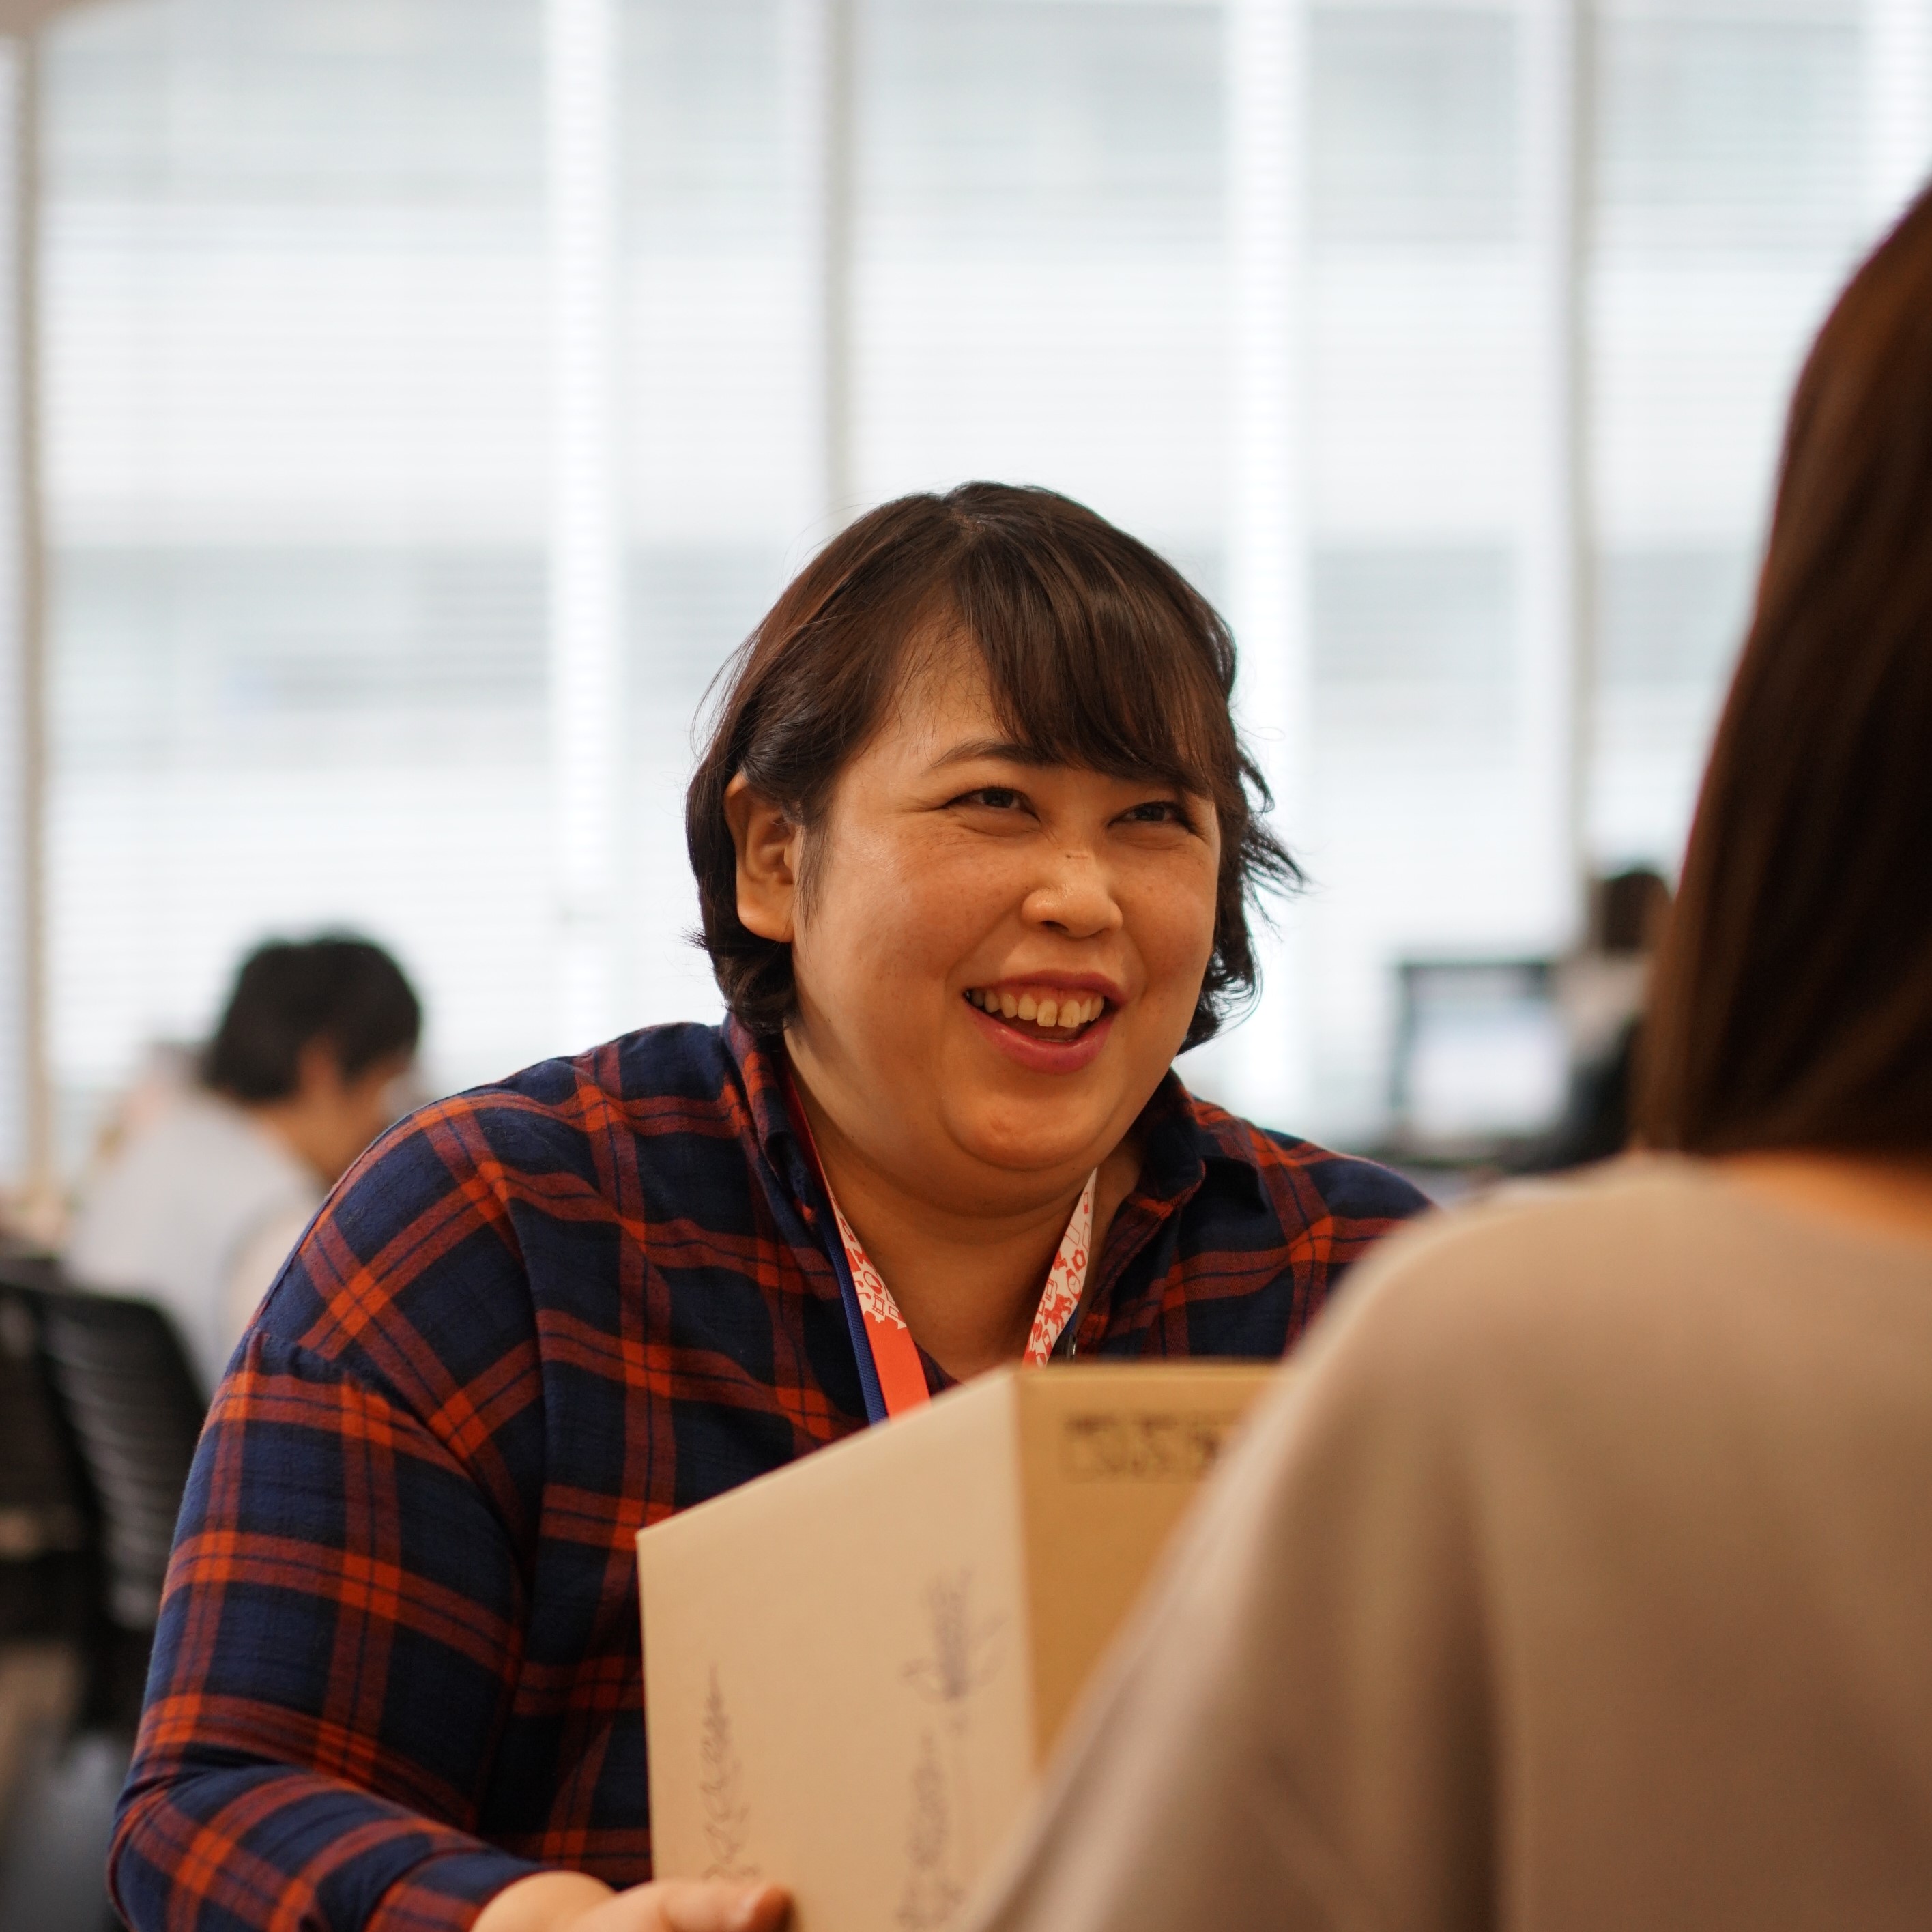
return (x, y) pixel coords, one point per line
(553, 1901)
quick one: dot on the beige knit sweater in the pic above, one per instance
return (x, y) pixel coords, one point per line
(1581, 1578)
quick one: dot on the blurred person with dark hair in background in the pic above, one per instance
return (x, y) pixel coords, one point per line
(197, 1206)
(1582, 1578)
(1601, 992)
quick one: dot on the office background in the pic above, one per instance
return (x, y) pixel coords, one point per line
(431, 393)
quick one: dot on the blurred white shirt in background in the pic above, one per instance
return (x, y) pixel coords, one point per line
(195, 1209)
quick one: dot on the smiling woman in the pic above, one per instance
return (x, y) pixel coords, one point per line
(976, 844)
(975, 834)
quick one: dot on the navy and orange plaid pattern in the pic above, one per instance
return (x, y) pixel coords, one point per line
(397, 1666)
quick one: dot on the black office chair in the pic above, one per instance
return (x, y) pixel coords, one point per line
(135, 1412)
(47, 1576)
(99, 1416)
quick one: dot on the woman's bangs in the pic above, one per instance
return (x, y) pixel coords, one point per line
(1123, 691)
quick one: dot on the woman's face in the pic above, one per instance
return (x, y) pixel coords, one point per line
(997, 959)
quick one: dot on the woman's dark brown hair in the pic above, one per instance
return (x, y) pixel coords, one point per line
(1099, 654)
(1793, 1003)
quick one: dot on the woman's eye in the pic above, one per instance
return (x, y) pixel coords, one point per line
(999, 798)
(1157, 812)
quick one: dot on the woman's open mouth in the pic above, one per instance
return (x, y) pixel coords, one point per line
(1050, 1015)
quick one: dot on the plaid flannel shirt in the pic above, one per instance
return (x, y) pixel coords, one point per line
(398, 1665)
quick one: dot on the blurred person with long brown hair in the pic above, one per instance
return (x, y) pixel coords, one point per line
(1581, 1577)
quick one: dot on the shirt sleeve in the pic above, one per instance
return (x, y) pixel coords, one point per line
(1293, 1734)
(331, 1667)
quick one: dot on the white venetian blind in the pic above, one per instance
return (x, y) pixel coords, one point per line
(717, 401)
(1041, 292)
(1433, 824)
(1747, 152)
(299, 437)
(297, 470)
(17, 1017)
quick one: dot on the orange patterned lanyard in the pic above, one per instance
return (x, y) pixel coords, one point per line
(895, 1362)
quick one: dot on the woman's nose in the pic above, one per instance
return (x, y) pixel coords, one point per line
(1076, 898)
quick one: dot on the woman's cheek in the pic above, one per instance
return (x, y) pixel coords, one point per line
(922, 911)
(962, 884)
(1173, 921)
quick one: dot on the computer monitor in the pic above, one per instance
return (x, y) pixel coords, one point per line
(1481, 1056)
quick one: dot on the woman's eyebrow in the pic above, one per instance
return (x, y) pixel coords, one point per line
(1003, 749)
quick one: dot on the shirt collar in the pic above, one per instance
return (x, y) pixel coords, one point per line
(1185, 1143)
(761, 1065)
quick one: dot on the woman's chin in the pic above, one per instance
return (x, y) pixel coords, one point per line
(1002, 1112)
(1020, 1142)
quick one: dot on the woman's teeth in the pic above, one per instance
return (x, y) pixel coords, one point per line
(1045, 1010)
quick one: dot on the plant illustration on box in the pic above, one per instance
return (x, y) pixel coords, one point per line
(941, 1855)
(720, 1786)
(932, 1892)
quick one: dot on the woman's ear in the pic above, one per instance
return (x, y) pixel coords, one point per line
(768, 844)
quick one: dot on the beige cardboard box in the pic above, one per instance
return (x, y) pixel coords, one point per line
(853, 1666)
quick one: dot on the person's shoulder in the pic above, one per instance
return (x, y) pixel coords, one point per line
(553, 1112)
(684, 1059)
(1320, 1182)
(460, 1192)
(1568, 1269)
(1641, 1199)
